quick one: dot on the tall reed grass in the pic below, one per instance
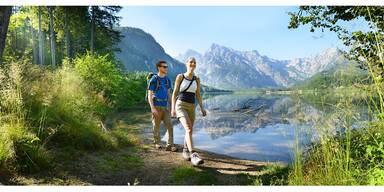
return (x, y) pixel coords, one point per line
(345, 154)
(44, 109)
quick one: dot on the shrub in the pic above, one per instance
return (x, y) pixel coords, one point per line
(122, 90)
(20, 147)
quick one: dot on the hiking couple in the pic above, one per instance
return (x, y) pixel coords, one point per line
(181, 105)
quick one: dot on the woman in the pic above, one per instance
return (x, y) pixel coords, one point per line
(187, 88)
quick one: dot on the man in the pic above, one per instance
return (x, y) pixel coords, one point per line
(159, 98)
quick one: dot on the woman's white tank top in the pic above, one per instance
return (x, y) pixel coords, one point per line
(185, 83)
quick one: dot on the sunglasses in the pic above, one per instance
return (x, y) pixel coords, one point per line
(164, 66)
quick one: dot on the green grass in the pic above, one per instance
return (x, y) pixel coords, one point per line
(330, 160)
(108, 163)
(347, 155)
(192, 176)
(43, 111)
(355, 158)
(272, 175)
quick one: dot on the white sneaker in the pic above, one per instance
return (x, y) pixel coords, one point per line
(186, 154)
(195, 159)
(158, 146)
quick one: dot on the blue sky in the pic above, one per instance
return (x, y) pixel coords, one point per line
(258, 28)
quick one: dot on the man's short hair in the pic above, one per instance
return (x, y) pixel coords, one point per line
(158, 64)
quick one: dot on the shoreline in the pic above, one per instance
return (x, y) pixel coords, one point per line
(141, 164)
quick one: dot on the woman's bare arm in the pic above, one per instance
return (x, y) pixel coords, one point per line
(176, 91)
(198, 96)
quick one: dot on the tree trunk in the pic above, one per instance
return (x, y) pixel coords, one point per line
(66, 29)
(92, 29)
(15, 40)
(62, 50)
(25, 39)
(41, 43)
(35, 52)
(52, 37)
(5, 15)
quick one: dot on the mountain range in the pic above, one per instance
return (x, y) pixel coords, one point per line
(223, 67)
(226, 68)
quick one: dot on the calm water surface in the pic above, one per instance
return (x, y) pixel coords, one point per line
(259, 127)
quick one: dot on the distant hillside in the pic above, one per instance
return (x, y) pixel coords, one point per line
(345, 75)
(205, 88)
(140, 52)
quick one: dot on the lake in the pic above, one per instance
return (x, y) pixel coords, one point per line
(262, 127)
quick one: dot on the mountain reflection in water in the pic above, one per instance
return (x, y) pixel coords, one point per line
(256, 127)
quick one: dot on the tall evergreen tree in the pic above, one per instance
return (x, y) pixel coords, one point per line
(103, 35)
(66, 31)
(92, 41)
(52, 36)
(5, 15)
(41, 40)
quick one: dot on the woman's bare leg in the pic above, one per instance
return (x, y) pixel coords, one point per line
(185, 140)
(187, 124)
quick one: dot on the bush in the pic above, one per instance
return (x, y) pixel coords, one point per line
(44, 109)
(122, 90)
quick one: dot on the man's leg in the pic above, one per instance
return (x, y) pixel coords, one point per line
(168, 126)
(156, 127)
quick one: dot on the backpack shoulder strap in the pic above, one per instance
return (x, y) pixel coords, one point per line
(190, 83)
(149, 78)
(157, 81)
(167, 82)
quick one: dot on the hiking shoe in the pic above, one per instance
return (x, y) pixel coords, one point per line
(158, 146)
(186, 154)
(195, 159)
(171, 148)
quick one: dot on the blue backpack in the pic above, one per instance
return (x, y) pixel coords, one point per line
(149, 77)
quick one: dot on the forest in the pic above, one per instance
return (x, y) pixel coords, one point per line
(61, 84)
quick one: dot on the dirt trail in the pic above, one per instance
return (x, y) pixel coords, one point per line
(144, 165)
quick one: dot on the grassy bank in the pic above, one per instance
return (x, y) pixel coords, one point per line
(351, 157)
(345, 153)
(44, 112)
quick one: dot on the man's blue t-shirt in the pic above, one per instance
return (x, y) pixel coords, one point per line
(161, 95)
